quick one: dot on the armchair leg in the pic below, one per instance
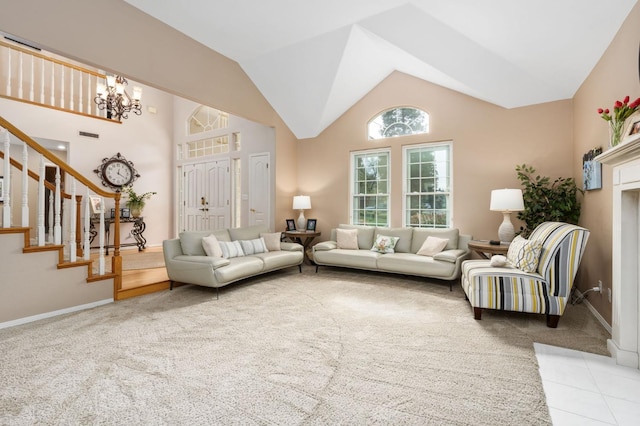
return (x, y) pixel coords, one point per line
(300, 268)
(477, 313)
(316, 269)
(552, 321)
(170, 284)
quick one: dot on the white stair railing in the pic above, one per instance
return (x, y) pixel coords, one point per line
(6, 184)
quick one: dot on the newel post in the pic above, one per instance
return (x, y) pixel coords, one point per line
(116, 260)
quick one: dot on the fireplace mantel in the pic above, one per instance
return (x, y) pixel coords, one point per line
(621, 153)
(624, 344)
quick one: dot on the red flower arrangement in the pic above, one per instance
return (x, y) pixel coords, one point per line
(621, 111)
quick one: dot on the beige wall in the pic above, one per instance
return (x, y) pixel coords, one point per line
(614, 77)
(155, 54)
(488, 142)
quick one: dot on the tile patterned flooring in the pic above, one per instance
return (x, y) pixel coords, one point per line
(588, 389)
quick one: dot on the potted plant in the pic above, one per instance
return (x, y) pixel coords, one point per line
(544, 200)
(136, 202)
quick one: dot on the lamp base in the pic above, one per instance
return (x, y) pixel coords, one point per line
(302, 222)
(506, 231)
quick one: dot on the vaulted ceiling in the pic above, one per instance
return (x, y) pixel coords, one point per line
(313, 60)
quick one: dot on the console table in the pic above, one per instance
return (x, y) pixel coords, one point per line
(137, 231)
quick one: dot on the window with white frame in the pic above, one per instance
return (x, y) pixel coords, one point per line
(370, 187)
(427, 186)
(401, 121)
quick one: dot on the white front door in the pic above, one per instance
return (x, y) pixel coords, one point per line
(207, 189)
(259, 189)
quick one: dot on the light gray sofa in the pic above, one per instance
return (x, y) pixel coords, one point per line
(444, 265)
(187, 262)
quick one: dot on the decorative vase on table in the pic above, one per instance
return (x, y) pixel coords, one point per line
(136, 202)
(136, 209)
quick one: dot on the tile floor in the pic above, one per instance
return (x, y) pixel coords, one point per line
(588, 389)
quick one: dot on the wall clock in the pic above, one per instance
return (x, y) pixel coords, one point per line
(116, 172)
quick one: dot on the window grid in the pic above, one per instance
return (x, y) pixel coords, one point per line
(428, 186)
(205, 119)
(210, 146)
(370, 189)
(395, 122)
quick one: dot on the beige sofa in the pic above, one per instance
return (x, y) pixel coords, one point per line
(187, 262)
(444, 265)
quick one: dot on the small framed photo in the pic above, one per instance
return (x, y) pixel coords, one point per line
(633, 129)
(291, 225)
(125, 213)
(96, 204)
(311, 225)
(1, 189)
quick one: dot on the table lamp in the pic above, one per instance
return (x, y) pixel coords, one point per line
(302, 203)
(506, 201)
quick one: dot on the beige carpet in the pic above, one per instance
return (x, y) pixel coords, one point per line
(337, 347)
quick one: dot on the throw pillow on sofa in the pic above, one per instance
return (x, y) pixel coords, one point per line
(347, 239)
(211, 246)
(432, 246)
(384, 244)
(254, 246)
(272, 240)
(498, 261)
(231, 249)
(524, 254)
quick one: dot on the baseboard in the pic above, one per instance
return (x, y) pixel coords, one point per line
(595, 313)
(38, 317)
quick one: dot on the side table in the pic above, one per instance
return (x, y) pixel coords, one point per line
(483, 248)
(303, 237)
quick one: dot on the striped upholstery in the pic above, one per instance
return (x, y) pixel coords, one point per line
(545, 291)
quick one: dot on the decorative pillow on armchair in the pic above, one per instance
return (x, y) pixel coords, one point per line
(384, 244)
(524, 254)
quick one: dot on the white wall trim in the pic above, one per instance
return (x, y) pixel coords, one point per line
(38, 317)
(595, 313)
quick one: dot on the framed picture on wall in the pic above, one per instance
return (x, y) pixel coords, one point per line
(311, 225)
(291, 225)
(591, 170)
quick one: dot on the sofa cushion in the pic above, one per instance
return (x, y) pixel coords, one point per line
(280, 259)
(347, 239)
(404, 236)
(498, 261)
(524, 254)
(421, 234)
(411, 264)
(365, 235)
(239, 267)
(254, 246)
(360, 259)
(211, 246)
(247, 232)
(384, 244)
(231, 249)
(432, 246)
(191, 241)
(272, 240)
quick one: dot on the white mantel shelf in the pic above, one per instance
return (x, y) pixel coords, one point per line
(620, 154)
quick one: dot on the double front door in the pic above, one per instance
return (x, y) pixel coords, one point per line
(207, 189)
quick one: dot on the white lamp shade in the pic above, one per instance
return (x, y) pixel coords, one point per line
(506, 200)
(301, 202)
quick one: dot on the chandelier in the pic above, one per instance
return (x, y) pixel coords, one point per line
(116, 100)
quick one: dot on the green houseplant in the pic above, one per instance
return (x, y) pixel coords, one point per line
(136, 202)
(545, 200)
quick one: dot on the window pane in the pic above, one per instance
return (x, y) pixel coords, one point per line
(398, 122)
(370, 198)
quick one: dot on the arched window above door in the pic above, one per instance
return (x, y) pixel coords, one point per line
(398, 121)
(205, 119)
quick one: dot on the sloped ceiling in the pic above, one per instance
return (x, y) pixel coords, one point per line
(313, 60)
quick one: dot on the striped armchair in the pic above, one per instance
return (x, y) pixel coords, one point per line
(545, 291)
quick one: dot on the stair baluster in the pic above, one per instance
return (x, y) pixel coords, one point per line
(25, 186)
(41, 240)
(6, 194)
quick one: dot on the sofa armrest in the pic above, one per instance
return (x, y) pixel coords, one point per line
(451, 256)
(291, 247)
(186, 262)
(325, 246)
